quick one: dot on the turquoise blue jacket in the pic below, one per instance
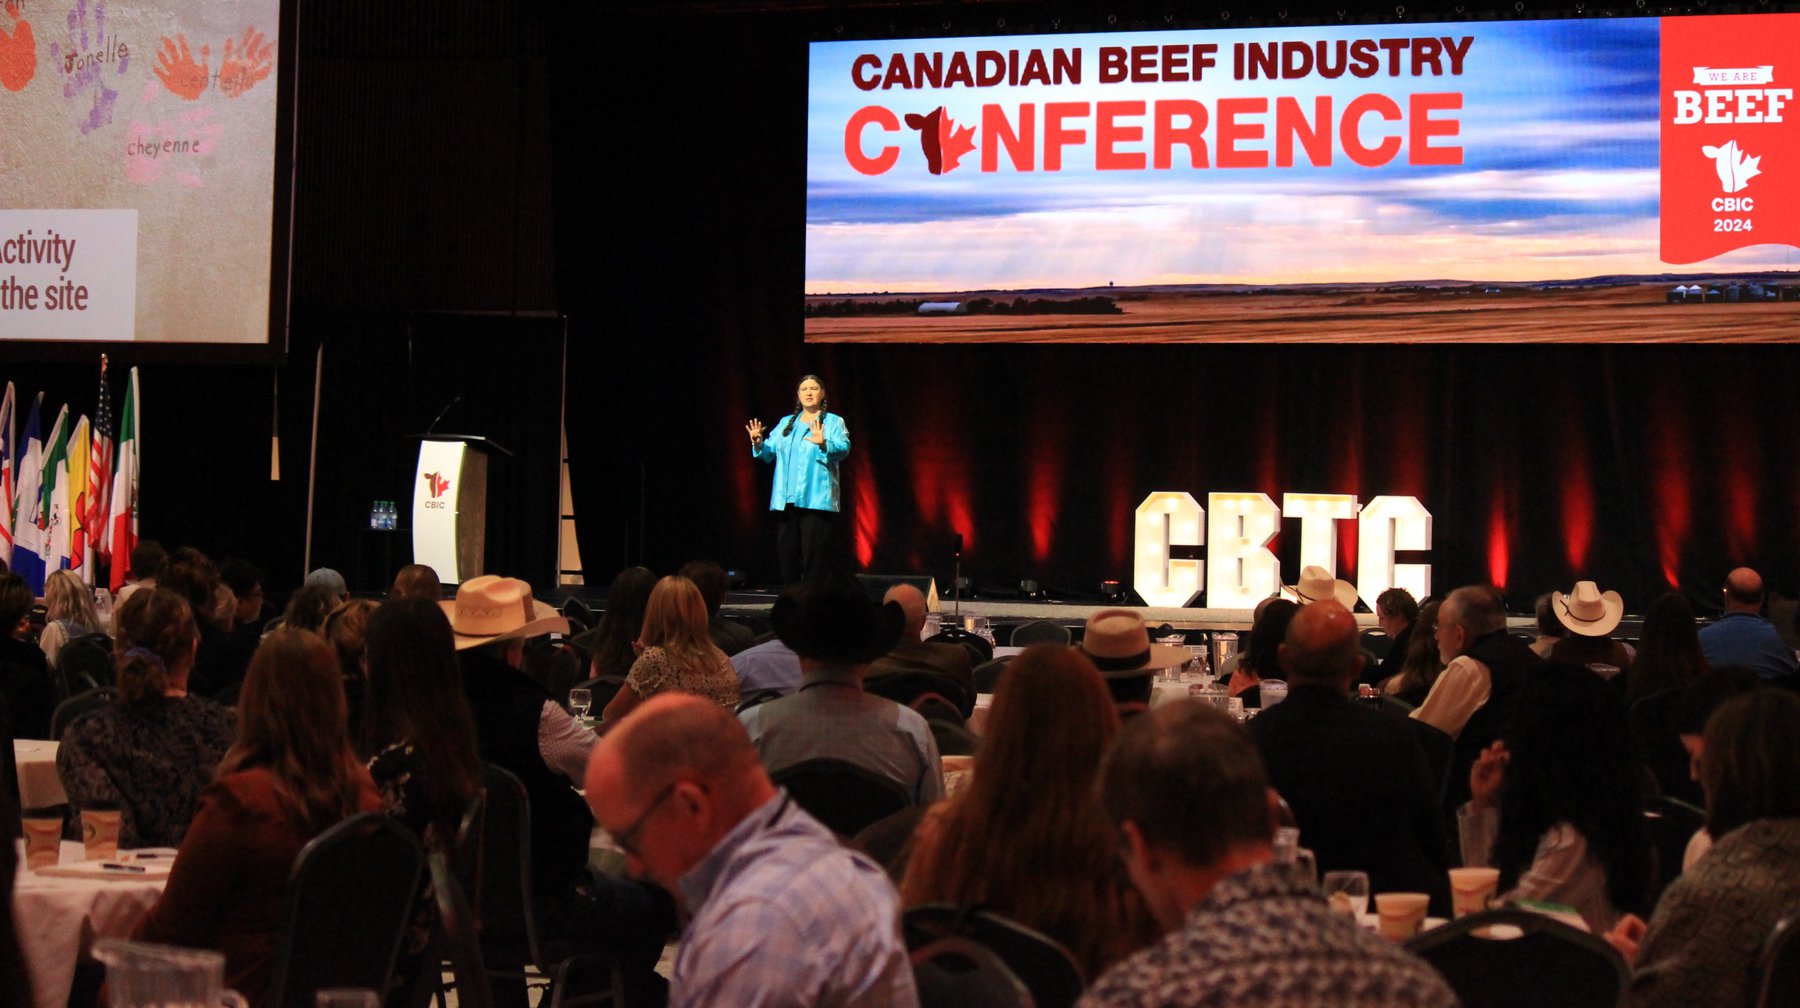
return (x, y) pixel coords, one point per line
(806, 474)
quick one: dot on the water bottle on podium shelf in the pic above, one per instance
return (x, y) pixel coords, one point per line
(375, 514)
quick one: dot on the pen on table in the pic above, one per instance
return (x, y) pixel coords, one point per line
(111, 866)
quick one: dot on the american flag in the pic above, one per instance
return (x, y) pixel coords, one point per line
(100, 472)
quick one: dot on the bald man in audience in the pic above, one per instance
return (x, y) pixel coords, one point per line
(1360, 780)
(782, 913)
(912, 655)
(1743, 637)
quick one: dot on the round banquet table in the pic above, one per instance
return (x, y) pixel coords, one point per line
(58, 919)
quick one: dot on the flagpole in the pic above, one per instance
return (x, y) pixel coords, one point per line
(312, 459)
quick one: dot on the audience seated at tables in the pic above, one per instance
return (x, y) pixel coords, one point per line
(837, 630)
(1687, 718)
(612, 643)
(1701, 943)
(1668, 655)
(1743, 636)
(219, 666)
(24, 674)
(1550, 630)
(730, 635)
(308, 607)
(1590, 616)
(769, 665)
(152, 751)
(1118, 644)
(1359, 780)
(928, 659)
(69, 613)
(417, 581)
(1188, 795)
(1557, 805)
(1396, 612)
(345, 629)
(425, 762)
(1260, 658)
(145, 558)
(677, 652)
(521, 728)
(1027, 837)
(1472, 700)
(782, 914)
(331, 581)
(1421, 665)
(289, 775)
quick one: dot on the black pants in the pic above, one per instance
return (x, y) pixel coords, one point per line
(806, 541)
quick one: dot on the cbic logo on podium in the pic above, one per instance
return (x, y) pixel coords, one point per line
(437, 484)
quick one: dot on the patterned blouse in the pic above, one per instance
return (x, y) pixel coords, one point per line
(656, 670)
(151, 759)
(1265, 936)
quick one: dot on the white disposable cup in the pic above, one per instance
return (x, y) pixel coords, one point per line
(1471, 888)
(1399, 914)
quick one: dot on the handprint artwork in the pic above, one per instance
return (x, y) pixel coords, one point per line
(86, 61)
(176, 68)
(18, 50)
(251, 63)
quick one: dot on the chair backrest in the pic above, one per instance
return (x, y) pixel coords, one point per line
(77, 705)
(1669, 823)
(498, 872)
(959, 973)
(979, 648)
(905, 688)
(841, 794)
(86, 662)
(1778, 965)
(953, 739)
(937, 707)
(1040, 632)
(759, 697)
(1048, 970)
(348, 906)
(987, 674)
(457, 936)
(1546, 964)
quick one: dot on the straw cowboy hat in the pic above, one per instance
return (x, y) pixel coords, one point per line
(491, 608)
(1118, 644)
(1587, 611)
(836, 623)
(1317, 585)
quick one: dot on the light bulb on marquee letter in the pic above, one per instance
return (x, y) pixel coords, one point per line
(1168, 518)
(1388, 524)
(1240, 569)
(1319, 514)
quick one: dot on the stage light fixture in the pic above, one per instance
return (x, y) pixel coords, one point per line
(1112, 591)
(1030, 590)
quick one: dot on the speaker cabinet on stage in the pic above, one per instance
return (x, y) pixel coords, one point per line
(449, 523)
(877, 585)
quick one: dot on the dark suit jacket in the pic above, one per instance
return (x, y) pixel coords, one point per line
(1361, 787)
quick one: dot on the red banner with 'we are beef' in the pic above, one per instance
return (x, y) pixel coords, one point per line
(1730, 135)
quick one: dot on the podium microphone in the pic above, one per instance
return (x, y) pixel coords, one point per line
(447, 408)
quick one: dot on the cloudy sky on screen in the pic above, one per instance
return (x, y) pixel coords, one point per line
(1559, 179)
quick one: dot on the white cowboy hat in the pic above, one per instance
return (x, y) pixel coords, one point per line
(1118, 644)
(1586, 611)
(491, 608)
(1317, 585)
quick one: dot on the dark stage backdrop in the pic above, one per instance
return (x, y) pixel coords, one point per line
(644, 173)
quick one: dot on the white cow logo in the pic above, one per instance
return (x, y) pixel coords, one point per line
(1735, 168)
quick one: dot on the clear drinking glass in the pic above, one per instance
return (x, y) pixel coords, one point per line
(580, 701)
(1347, 892)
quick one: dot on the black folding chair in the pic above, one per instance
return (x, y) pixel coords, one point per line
(348, 905)
(1040, 632)
(458, 938)
(978, 647)
(1778, 965)
(1670, 823)
(77, 705)
(1049, 972)
(1510, 958)
(86, 663)
(758, 698)
(841, 794)
(959, 973)
(987, 674)
(905, 689)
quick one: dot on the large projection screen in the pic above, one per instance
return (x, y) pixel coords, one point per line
(144, 190)
(1632, 179)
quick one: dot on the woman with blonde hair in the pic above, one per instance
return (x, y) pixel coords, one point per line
(675, 652)
(289, 775)
(1043, 853)
(69, 613)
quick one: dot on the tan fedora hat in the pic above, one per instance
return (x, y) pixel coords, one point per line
(1588, 611)
(1118, 643)
(492, 608)
(1317, 585)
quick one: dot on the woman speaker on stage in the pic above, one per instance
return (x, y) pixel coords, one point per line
(806, 449)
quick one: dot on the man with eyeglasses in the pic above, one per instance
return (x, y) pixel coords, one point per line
(782, 913)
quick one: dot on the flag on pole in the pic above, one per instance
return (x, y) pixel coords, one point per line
(122, 510)
(100, 466)
(6, 473)
(74, 499)
(28, 535)
(54, 497)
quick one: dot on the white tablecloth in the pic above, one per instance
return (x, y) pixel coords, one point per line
(57, 918)
(39, 787)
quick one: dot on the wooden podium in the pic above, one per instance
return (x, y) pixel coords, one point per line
(449, 513)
